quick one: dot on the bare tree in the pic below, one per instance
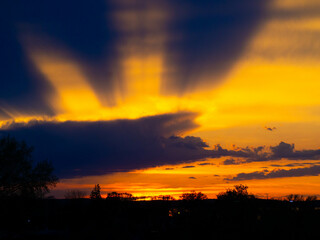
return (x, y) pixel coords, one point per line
(295, 198)
(300, 198)
(74, 194)
(311, 198)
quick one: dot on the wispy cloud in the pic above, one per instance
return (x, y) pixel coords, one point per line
(277, 173)
(190, 166)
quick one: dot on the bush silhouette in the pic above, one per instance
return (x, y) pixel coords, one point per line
(239, 192)
(193, 196)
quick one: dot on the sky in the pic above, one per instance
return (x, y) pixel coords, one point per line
(164, 97)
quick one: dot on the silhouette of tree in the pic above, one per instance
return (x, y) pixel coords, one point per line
(163, 198)
(300, 198)
(95, 193)
(311, 198)
(193, 196)
(120, 196)
(239, 192)
(74, 194)
(19, 177)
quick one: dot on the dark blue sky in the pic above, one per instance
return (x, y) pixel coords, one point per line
(203, 38)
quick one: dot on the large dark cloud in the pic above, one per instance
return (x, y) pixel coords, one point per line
(277, 173)
(200, 39)
(93, 148)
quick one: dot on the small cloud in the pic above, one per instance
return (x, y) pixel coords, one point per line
(204, 164)
(192, 178)
(270, 128)
(188, 167)
(216, 175)
(290, 165)
(169, 168)
(231, 161)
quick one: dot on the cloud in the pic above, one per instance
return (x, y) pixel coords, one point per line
(168, 168)
(298, 164)
(192, 178)
(188, 166)
(206, 163)
(270, 128)
(277, 173)
(263, 153)
(232, 161)
(285, 150)
(93, 148)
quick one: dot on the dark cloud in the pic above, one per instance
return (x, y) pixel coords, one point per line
(168, 168)
(285, 150)
(299, 164)
(232, 161)
(277, 173)
(262, 153)
(93, 148)
(270, 128)
(204, 164)
(190, 166)
(189, 142)
(192, 178)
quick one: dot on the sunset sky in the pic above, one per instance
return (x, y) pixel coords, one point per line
(166, 96)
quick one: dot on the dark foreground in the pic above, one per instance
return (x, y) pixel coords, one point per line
(206, 219)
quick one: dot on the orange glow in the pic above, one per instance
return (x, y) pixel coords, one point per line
(207, 178)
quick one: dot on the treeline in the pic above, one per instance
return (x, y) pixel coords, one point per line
(238, 193)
